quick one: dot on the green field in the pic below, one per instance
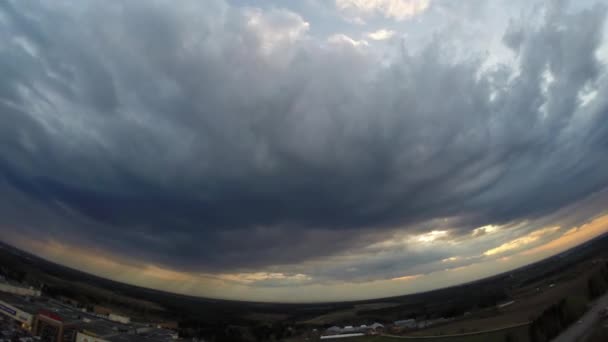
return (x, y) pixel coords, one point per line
(517, 334)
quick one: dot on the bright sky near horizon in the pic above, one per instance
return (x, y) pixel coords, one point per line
(299, 151)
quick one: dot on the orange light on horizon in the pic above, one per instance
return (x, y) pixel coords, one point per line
(574, 236)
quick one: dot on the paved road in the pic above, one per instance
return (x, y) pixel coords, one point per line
(578, 330)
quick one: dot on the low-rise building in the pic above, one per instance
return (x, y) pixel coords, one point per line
(18, 289)
(171, 325)
(102, 330)
(406, 323)
(58, 322)
(21, 309)
(119, 318)
(333, 330)
(332, 337)
(102, 310)
(377, 327)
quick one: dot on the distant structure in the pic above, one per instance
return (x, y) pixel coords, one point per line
(119, 318)
(335, 330)
(349, 330)
(19, 309)
(331, 337)
(377, 326)
(52, 321)
(108, 331)
(18, 289)
(406, 323)
(504, 305)
(56, 323)
(102, 310)
(172, 325)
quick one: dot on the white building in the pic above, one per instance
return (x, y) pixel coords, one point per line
(376, 326)
(332, 337)
(85, 337)
(20, 310)
(349, 329)
(119, 318)
(18, 289)
(406, 323)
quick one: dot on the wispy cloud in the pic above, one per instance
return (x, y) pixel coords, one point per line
(381, 34)
(522, 241)
(340, 38)
(393, 9)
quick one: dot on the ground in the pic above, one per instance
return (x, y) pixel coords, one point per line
(528, 303)
(341, 315)
(518, 334)
(532, 288)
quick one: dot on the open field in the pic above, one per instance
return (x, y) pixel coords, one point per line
(529, 302)
(516, 334)
(350, 313)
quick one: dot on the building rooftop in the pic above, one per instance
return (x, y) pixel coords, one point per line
(153, 335)
(29, 305)
(66, 313)
(102, 328)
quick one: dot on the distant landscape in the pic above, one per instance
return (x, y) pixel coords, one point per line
(504, 307)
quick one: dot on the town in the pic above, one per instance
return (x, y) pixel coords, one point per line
(28, 316)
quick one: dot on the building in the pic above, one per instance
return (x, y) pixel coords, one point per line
(406, 323)
(332, 337)
(119, 318)
(102, 330)
(52, 327)
(377, 328)
(84, 337)
(171, 325)
(349, 329)
(504, 305)
(18, 289)
(333, 330)
(57, 322)
(21, 309)
(153, 335)
(102, 310)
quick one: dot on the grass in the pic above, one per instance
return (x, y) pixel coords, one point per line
(337, 316)
(528, 304)
(517, 334)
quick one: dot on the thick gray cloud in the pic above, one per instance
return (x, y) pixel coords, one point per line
(210, 137)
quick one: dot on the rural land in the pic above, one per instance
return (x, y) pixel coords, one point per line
(562, 298)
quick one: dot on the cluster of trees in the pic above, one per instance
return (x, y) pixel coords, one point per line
(451, 302)
(12, 274)
(597, 284)
(599, 335)
(237, 331)
(559, 316)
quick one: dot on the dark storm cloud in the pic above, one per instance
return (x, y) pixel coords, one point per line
(208, 137)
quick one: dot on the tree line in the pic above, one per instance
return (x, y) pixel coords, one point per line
(555, 319)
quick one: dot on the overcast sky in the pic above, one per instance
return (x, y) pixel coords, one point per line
(309, 150)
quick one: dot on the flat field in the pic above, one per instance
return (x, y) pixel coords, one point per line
(516, 334)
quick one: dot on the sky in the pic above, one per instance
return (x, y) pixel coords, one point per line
(302, 151)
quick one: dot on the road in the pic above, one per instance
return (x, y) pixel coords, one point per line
(578, 330)
(456, 335)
